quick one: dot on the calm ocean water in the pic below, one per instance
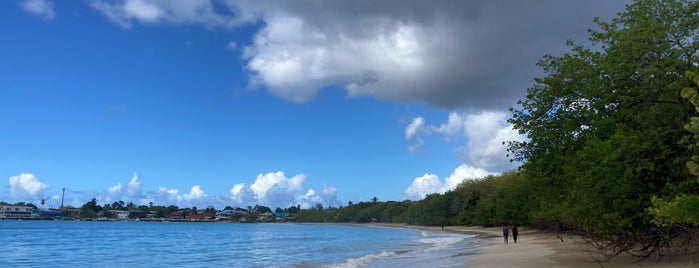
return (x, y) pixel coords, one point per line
(173, 244)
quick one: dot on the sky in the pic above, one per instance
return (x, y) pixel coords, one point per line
(278, 103)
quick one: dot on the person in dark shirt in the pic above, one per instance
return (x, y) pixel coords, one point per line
(515, 232)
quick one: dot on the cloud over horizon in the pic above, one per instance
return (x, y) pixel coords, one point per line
(271, 189)
(133, 189)
(27, 186)
(484, 133)
(430, 183)
(274, 189)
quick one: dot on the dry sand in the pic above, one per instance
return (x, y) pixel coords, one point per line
(540, 249)
(535, 248)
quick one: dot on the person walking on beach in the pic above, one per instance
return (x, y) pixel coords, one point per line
(505, 233)
(515, 232)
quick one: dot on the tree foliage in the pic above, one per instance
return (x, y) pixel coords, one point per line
(683, 209)
(604, 122)
(90, 209)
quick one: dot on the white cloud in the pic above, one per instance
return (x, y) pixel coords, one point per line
(41, 8)
(134, 187)
(412, 134)
(484, 133)
(125, 12)
(274, 189)
(461, 173)
(114, 193)
(232, 45)
(295, 59)
(26, 186)
(441, 55)
(116, 189)
(240, 194)
(327, 197)
(430, 183)
(237, 189)
(454, 127)
(276, 184)
(196, 193)
(166, 196)
(414, 128)
(422, 186)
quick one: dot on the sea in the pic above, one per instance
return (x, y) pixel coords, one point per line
(29, 243)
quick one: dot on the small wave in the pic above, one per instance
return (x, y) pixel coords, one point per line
(440, 241)
(361, 261)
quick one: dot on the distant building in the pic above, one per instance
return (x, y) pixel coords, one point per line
(281, 215)
(137, 214)
(16, 212)
(267, 216)
(121, 215)
(225, 214)
(206, 216)
(50, 214)
(176, 215)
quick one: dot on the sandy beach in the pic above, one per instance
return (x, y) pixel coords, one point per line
(541, 249)
(535, 248)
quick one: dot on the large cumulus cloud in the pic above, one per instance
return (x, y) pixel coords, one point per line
(448, 54)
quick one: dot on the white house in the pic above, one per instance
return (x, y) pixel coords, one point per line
(15, 212)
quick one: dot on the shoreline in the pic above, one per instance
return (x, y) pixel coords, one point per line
(537, 248)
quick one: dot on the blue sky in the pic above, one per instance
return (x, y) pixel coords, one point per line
(276, 103)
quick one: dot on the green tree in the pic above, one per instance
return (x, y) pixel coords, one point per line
(90, 209)
(293, 209)
(144, 208)
(262, 209)
(683, 209)
(118, 205)
(172, 208)
(603, 124)
(210, 209)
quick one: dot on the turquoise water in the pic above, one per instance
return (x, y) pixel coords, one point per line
(177, 244)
